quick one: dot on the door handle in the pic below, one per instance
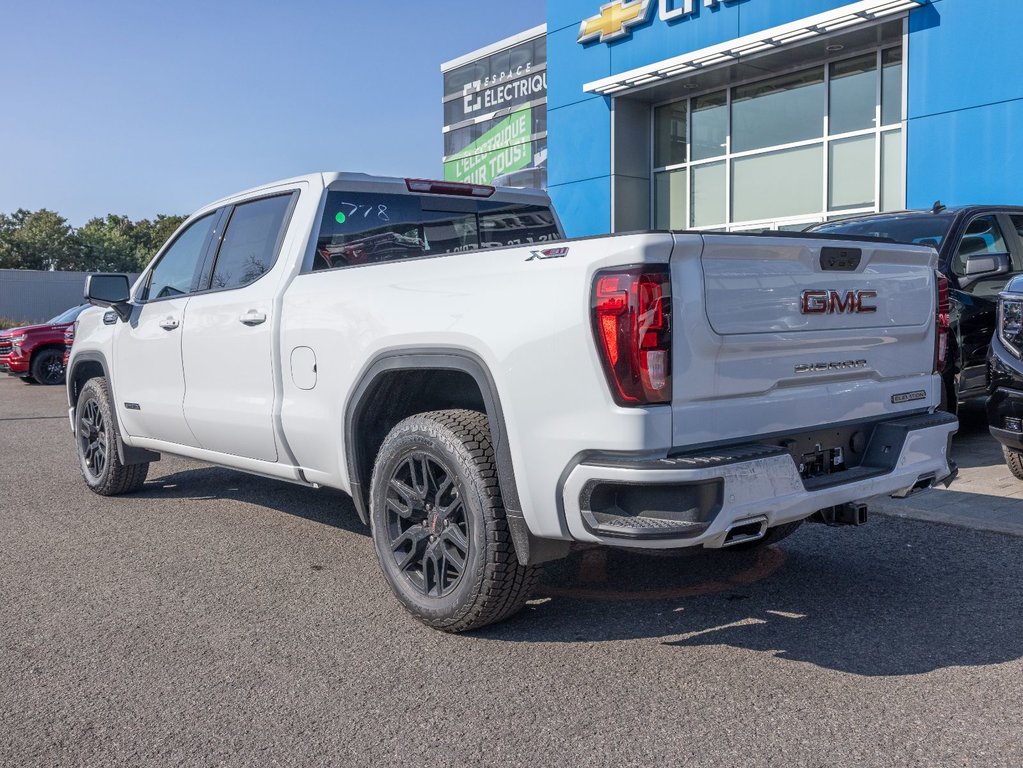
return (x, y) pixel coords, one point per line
(169, 323)
(252, 317)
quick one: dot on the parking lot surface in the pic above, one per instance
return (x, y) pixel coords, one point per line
(222, 619)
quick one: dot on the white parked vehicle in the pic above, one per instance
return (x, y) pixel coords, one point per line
(489, 392)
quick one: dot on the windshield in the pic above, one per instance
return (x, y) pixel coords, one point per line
(68, 316)
(919, 229)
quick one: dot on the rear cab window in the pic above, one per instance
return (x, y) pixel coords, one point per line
(360, 228)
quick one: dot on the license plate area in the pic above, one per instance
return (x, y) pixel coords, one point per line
(822, 462)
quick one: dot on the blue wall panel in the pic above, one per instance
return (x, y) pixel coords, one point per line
(968, 156)
(570, 67)
(965, 103)
(964, 53)
(579, 135)
(584, 206)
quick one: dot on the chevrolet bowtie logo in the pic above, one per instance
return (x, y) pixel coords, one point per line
(614, 20)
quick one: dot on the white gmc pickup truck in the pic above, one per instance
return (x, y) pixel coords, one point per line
(490, 392)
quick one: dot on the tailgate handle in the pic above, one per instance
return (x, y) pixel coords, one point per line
(841, 259)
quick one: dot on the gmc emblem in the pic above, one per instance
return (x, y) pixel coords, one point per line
(838, 303)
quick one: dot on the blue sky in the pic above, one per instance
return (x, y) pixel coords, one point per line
(140, 107)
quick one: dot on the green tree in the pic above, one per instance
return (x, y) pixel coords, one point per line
(39, 240)
(150, 236)
(109, 245)
(44, 240)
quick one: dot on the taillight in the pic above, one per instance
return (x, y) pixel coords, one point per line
(632, 325)
(943, 325)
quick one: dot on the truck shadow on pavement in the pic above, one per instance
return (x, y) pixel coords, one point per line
(894, 598)
(324, 505)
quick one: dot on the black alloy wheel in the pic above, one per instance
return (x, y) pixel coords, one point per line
(427, 526)
(439, 525)
(92, 440)
(48, 367)
(96, 437)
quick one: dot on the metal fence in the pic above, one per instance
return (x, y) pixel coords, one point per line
(32, 296)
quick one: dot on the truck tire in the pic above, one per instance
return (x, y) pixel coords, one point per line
(48, 366)
(96, 439)
(773, 536)
(1014, 460)
(439, 526)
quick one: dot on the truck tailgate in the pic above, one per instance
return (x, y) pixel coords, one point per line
(780, 333)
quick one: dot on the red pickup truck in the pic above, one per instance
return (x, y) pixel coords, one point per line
(36, 352)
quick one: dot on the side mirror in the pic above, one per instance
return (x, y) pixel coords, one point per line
(109, 291)
(987, 264)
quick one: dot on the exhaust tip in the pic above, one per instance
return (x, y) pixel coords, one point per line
(744, 531)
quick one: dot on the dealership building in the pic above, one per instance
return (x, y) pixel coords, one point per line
(746, 114)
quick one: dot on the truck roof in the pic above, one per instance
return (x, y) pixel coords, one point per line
(953, 210)
(369, 182)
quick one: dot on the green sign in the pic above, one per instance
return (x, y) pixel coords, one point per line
(503, 149)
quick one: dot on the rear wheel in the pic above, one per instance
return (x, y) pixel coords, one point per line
(1014, 460)
(439, 524)
(96, 437)
(773, 536)
(48, 366)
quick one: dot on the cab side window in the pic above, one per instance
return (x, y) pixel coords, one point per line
(175, 272)
(983, 237)
(250, 242)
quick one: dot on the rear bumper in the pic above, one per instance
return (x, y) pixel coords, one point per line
(696, 499)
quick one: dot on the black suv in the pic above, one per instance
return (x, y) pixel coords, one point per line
(980, 247)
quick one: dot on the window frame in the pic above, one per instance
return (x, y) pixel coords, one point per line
(204, 280)
(1001, 221)
(428, 204)
(142, 297)
(826, 212)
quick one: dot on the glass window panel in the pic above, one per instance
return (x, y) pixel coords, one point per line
(710, 126)
(853, 94)
(670, 134)
(893, 190)
(891, 86)
(710, 204)
(249, 249)
(778, 185)
(852, 163)
(174, 274)
(779, 111)
(670, 200)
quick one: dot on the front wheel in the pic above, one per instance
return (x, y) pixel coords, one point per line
(439, 524)
(48, 367)
(1014, 460)
(96, 438)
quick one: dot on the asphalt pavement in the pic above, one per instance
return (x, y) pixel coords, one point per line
(220, 619)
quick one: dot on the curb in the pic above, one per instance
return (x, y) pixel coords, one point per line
(992, 521)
